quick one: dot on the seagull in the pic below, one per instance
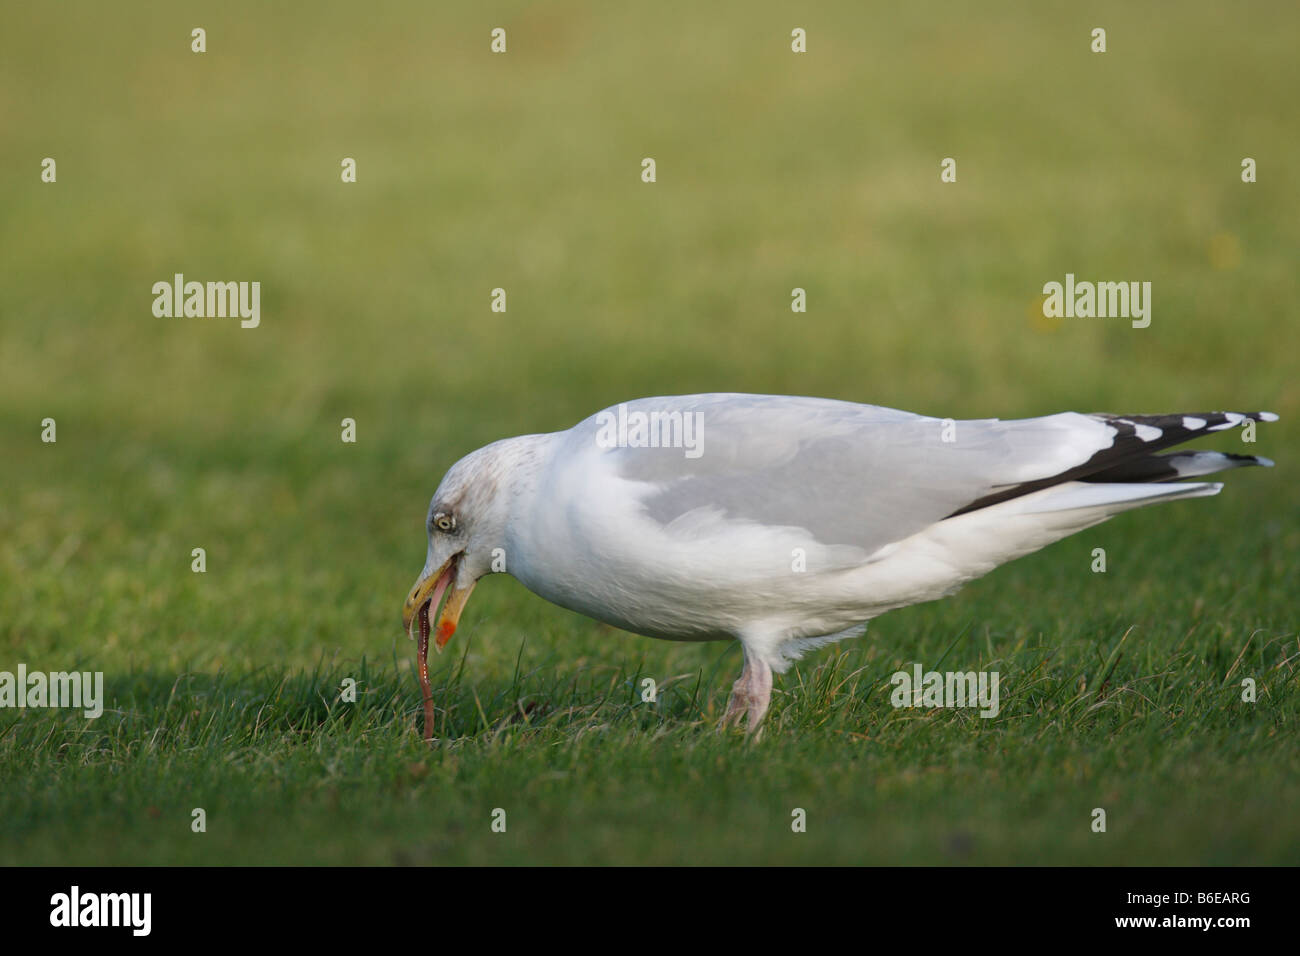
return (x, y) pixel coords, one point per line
(783, 522)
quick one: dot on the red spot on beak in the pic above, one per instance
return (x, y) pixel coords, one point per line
(445, 630)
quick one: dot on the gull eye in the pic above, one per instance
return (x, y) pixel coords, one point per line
(444, 522)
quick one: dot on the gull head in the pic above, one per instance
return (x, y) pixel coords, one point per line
(466, 524)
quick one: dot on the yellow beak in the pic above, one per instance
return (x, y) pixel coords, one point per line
(431, 589)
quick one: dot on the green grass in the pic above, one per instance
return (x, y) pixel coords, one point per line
(522, 171)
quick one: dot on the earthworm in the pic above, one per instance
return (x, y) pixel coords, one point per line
(425, 689)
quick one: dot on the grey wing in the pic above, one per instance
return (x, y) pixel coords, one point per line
(850, 475)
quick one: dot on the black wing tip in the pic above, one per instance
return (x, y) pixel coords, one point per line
(1163, 431)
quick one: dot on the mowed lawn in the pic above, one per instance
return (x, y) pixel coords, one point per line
(1120, 690)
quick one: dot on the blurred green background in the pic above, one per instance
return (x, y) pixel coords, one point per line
(522, 171)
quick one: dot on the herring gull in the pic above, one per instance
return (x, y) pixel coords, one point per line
(783, 522)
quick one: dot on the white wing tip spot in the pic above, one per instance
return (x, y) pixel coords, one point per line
(1268, 416)
(1192, 424)
(1145, 432)
(1233, 420)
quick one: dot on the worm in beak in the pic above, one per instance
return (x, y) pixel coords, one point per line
(421, 603)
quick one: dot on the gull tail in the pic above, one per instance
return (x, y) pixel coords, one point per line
(1184, 464)
(1107, 499)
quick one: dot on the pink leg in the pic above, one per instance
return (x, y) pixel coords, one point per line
(750, 695)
